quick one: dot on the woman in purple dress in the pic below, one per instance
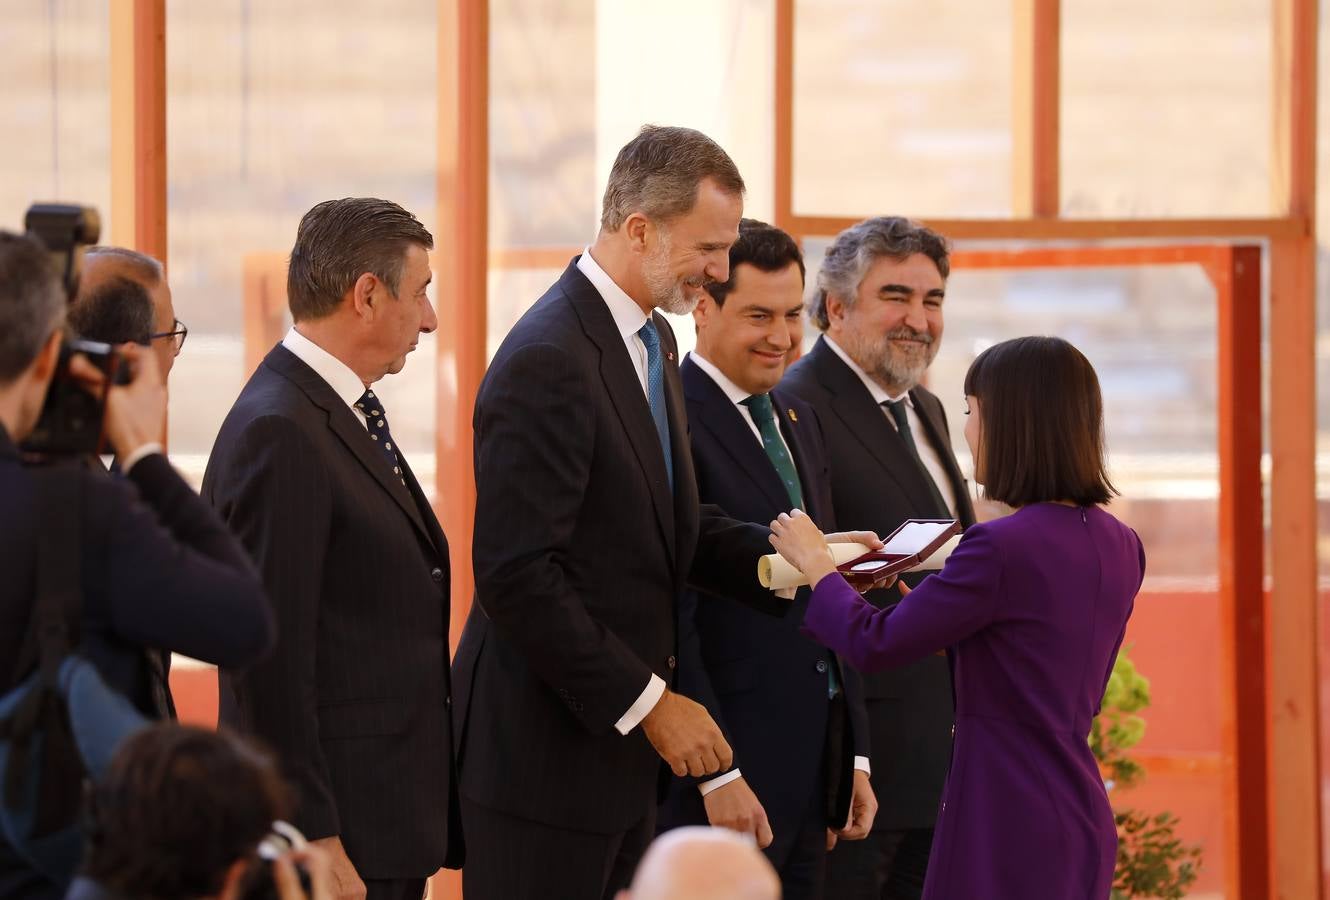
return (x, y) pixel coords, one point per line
(1031, 610)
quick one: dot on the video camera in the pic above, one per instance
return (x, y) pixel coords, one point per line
(71, 418)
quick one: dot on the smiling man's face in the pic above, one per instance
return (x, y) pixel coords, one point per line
(894, 328)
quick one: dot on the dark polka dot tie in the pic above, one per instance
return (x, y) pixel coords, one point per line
(377, 422)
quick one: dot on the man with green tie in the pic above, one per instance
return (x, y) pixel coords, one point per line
(792, 714)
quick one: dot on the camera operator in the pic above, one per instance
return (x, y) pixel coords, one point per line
(181, 813)
(157, 568)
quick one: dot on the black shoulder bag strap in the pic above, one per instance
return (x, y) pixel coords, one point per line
(49, 640)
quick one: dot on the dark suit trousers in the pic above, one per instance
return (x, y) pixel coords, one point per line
(887, 865)
(511, 858)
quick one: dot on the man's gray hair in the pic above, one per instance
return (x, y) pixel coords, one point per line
(858, 247)
(340, 240)
(658, 173)
(32, 302)
(145, 267)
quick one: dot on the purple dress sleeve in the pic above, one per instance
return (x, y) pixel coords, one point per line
(942, 610)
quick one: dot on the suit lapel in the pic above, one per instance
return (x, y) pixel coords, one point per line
(796, 438)
(625, 392)
(863, 418)
(723, 419)
(342, 422)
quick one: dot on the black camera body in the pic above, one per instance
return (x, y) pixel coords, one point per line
(71, 419)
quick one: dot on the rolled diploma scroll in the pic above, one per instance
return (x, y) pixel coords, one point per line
(776, 573)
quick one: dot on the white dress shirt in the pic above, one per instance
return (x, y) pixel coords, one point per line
(629, 319)
(737, 395)
(927, 455)
(345, 383)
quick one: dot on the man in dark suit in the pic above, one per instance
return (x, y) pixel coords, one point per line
(588, 526)
(793, 715)
(879, 304)
(156, 567)
(356, 697)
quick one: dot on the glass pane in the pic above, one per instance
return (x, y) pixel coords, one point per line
(902, 107)
(260, 128)
(1166, 108)
(55, 67)
(1151, 334)
(572, 81)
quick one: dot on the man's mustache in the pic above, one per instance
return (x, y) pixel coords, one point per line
(906, 333)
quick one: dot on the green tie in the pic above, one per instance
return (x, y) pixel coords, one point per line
(764, 415)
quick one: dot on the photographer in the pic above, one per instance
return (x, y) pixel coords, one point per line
(181, 813)
(156, 567)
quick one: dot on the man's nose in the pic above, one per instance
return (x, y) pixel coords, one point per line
(430, 320)
(916, 317)
(717, 268)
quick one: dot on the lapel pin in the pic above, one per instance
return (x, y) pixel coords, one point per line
(669, 356)
(793, 417)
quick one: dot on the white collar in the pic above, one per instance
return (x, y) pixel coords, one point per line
(628, 316)
(879, 393)
(345, 383)
(736, 394)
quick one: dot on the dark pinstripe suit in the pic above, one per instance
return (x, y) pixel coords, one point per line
(580, 555)
(356, 697)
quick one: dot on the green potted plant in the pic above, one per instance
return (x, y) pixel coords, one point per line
(1152, 860)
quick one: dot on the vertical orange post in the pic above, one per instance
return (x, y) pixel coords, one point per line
(461, 263)
(1295, 780)
(784, 119)
(1036, 108)
(1241, 581)
(138, 125)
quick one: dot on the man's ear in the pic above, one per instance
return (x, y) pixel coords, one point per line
(706, 308)
(365, 295)
(637, 228)
(835, 307)
(43, 367)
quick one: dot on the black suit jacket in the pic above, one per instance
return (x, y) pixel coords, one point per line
(876, 484)
(355, 699)
(581, 551)
(158, 569)
(760, 677)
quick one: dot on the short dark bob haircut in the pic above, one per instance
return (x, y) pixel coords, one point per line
(1043, 423)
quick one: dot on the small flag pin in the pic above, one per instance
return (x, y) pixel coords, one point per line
(793, 417)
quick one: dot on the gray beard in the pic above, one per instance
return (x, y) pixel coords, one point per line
(894, 371)
(667, 292)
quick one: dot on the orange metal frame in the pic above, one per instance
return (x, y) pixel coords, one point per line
(1279, 807)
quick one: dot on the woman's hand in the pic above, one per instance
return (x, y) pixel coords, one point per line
(796, 538)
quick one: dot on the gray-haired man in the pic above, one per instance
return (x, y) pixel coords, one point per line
(878, 302)
(355, 698)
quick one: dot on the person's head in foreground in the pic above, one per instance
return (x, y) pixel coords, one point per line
(180, 813)
(1035, 424)
(698, 863)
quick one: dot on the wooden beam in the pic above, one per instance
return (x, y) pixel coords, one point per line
(1241, 595)
(784, 118)
(1295, 780)
(138, 125)
(1077, 229)
(1036, 108)
(460, 261)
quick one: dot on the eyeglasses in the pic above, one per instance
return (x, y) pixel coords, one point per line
(177, 334)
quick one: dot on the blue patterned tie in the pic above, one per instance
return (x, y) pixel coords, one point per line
(656, 393)
(376, 420)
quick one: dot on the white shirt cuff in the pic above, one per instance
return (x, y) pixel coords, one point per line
(646, 702)
(146, 450)
(786, 593)
(706, 787)
(861, 763)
